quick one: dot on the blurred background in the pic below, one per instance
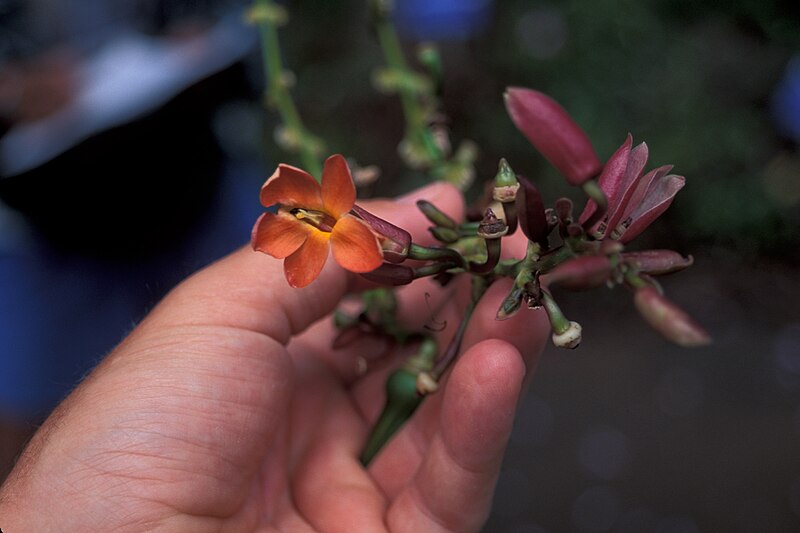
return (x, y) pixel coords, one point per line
(134, 141)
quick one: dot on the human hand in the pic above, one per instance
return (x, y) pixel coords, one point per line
(226, 409)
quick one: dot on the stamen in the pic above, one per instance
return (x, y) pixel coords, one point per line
(321, 221)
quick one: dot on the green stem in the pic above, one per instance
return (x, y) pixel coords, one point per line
(558, 321)
(424, 253)
(402, 398)
(413, 112)
(433, 269)
(479, 286)
(279, 93)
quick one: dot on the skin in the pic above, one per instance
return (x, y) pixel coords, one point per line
(227, 410)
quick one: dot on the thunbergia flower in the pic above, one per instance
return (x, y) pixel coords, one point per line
(312, 219)
(635, 198)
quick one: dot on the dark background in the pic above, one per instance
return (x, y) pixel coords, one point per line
(627, 433)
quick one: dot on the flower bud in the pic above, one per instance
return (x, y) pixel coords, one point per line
(563, 210)
(511, 304)
(531, 213)
(581, 273)
(402, 399)
(668, 319)
(390, 274)
(394, 241)
(657, 262)
(446, 235)
(553, 132)
(505, 183)
(436, 216)
(569, 338)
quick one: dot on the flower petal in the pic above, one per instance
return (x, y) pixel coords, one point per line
(338, 191)
(641, 189)
(609, 180)
(354, 245)
(292, 187)
(303, 266)
(633, 173)
(279, 235)
(658, 198)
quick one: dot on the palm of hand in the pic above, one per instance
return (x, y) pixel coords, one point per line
(207, 418)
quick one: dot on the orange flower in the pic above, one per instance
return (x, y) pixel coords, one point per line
(310, 219)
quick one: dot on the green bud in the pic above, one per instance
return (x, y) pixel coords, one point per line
(402, 399)
(446, 235)
(505, 176)
(436, 216)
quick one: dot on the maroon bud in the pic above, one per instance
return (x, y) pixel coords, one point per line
(657, 262)
(563, 210)
(394, 241)
(531, 213)
(553, 132)
(668, 319)
(581, 273)
(389, 274)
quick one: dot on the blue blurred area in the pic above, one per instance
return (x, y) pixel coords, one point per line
(786, 101)
(143, 175)
(61, 312)
(442, 19)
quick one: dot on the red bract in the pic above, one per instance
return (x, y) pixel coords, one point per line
(635, 199)
(553, 132)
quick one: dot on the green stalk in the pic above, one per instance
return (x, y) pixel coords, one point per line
(423, 253)
(279, 92)
(479, 286)
(393, 54)
(402, 399)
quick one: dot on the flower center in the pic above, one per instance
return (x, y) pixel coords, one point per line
(318, 219)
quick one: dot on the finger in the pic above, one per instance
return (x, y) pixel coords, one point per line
(331, 489)
(452, 489)
(514, 246)
(526, 331)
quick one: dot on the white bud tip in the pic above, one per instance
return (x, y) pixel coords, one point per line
(571, 338)
(426, 384)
